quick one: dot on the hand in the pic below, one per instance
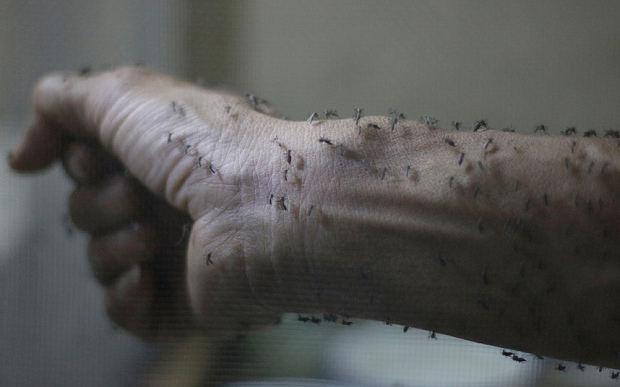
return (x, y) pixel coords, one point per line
(155, 164)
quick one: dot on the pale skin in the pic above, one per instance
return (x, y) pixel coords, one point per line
(501, 238)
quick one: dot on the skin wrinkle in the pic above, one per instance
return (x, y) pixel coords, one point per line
(483, 203)
(330, 191)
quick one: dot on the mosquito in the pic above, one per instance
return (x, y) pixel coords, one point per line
(518, 359)
(358, 114)
(478, 125)
(590, 133)
(330, 113)
(312, 117)
(569, 131)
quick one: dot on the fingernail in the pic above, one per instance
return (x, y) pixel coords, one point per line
(129, 280)
(76, 168)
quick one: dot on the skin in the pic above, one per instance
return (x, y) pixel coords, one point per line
(500, 238)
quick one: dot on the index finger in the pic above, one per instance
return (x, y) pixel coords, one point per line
(57, 101)
(65, 107)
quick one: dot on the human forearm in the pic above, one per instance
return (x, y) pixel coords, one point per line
(496, 237)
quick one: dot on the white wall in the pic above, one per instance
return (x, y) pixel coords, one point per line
(519, 63)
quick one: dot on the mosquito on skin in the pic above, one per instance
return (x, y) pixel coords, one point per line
(407, 169)
(208, 259)
(581, 367)
(395, 117)
(253, 100)
(430, 121)
(590, 133)
(518, 359)
(330, 113)
(312, 117)
(478, 125)
(569, 131)
(487, 143)
(281, 203)
(358, 114)
(540, 128)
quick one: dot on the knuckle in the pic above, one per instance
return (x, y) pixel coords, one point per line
(130, 74)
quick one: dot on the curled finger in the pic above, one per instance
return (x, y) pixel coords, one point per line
(112, 254)
(87, 162)
(108, 205)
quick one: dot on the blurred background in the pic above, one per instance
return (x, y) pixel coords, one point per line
(516, 64)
